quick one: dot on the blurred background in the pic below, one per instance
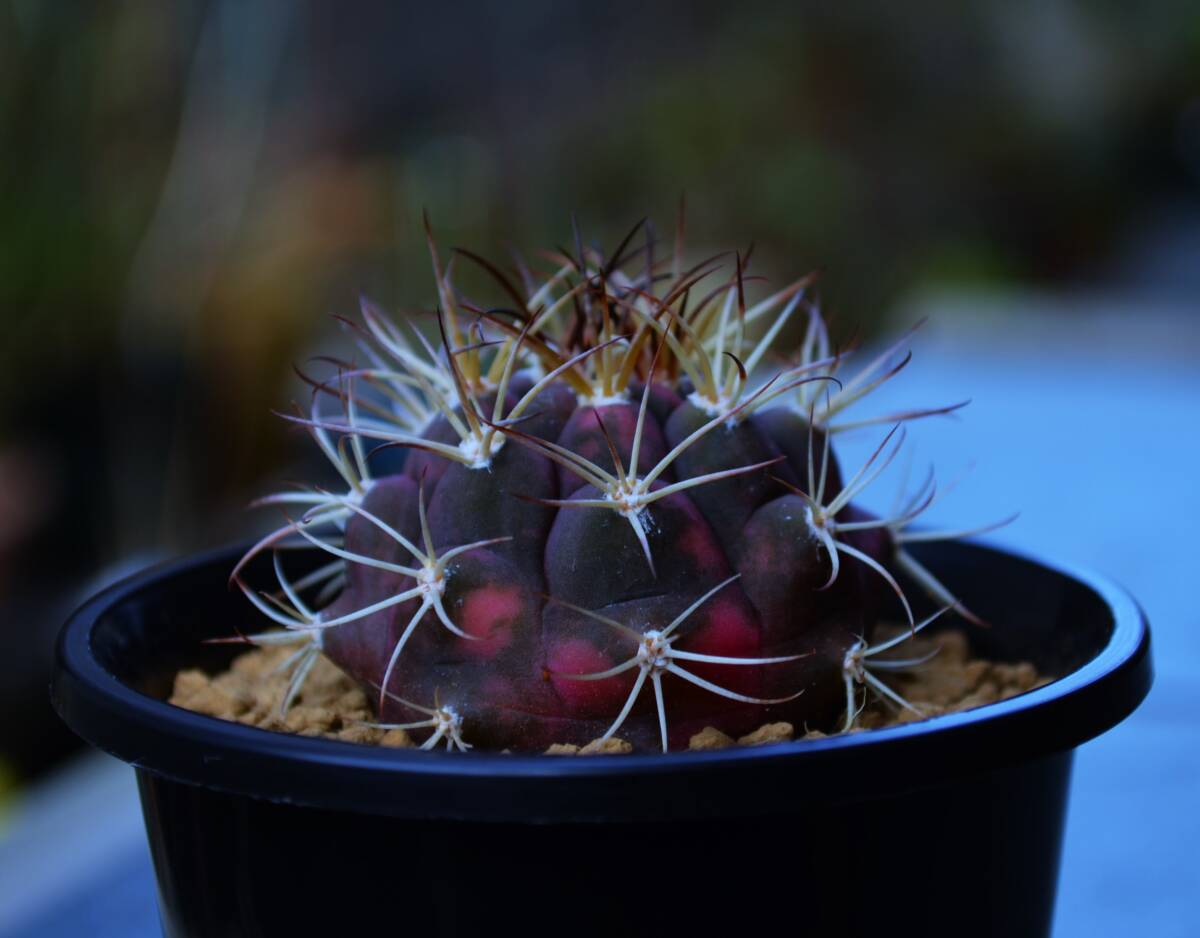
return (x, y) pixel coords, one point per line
(188, 190)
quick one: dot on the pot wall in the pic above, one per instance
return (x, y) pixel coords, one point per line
(978, 857)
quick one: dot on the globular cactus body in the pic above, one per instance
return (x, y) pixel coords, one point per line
(602, 526)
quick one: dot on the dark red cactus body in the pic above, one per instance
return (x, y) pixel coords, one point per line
(878, 544)
(530, 654)
(789, 432)
(475, 504)
(362, 646)
(593, 556)
(580, 645)
(524, 580)
(663, 399)
(591, 429)
(421, 465)
(727, 503)
(785, 570)
(548, 413)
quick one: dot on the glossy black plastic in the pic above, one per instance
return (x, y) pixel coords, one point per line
(946, 827)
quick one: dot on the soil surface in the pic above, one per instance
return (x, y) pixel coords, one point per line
(332, 705)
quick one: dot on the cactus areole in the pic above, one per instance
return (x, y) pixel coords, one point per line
(617, 512)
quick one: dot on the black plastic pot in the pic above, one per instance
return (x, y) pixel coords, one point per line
(951, 826)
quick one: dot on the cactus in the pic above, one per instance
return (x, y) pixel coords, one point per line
(611, 517)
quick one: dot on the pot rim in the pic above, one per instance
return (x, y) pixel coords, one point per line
(170, 741)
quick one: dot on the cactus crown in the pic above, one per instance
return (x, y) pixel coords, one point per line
(611, 479)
